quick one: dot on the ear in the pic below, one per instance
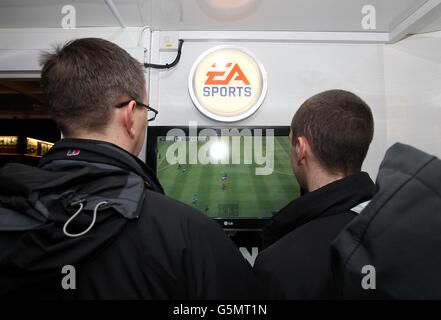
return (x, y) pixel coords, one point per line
(129, 118)
(301, 148)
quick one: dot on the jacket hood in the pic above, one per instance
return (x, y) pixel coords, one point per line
(27, 193)
(397, 233)
(403, 163)
(68, 208)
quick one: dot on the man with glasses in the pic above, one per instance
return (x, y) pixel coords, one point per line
(151, 112)
(92, 222)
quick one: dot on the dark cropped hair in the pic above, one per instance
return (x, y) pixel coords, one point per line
(339, 126)
(84, 80)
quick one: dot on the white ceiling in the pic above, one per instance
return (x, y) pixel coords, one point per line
(255, 15)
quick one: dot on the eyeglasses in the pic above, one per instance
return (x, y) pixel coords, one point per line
(151, 113)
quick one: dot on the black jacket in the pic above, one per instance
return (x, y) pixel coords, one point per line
(399, 233)
(296, 262)
(142, 245)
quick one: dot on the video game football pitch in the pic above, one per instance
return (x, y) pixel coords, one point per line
(230, 190)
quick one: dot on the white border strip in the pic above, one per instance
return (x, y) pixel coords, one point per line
(27, 61)
(401, 30)
(277, 36)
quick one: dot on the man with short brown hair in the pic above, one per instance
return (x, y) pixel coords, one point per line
(330, 137)
(92, 222)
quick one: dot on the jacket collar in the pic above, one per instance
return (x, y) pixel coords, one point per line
(336, 197)
(96, 151)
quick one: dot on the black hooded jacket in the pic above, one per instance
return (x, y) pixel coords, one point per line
(296, 261)
(95, 207)
(392, 250)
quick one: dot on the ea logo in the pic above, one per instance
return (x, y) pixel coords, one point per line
(227, 83)
(235, 70)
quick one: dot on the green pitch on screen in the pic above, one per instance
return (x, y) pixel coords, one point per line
(230, 190)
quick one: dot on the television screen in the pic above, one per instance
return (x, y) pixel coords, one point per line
(232, 177)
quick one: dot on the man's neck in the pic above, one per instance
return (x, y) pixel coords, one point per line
(101, 137)
(322, 179)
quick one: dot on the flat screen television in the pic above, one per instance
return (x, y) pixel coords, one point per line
(238, 176)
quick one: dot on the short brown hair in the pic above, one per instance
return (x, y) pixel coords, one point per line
(339, 126)
(85, 78)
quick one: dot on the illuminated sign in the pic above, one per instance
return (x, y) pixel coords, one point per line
(45, 147)
(36, 147)
(227, 83)
(31, 147)
(13, 145)
(8, 141)
(8, 145)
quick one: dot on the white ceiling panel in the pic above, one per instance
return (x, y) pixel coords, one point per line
(240, 15)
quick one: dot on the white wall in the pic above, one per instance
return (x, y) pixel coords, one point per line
(295, 72)
(413, 92)
(20, 48)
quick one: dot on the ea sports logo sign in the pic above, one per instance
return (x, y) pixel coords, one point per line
(227, 83)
